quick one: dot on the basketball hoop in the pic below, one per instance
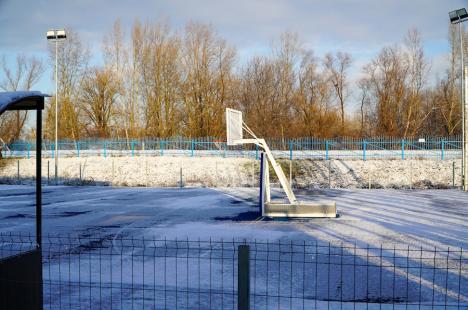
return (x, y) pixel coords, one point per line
(234, 132)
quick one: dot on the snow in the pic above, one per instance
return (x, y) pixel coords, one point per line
(142, 171)
(164, 171)
(418, 219)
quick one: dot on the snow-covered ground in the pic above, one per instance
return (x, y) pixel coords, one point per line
(167, 171)
(419, 217)
(420, 220)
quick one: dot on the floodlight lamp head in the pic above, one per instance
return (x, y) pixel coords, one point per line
(61, 34)
(56, 34)
(50, 34)
(458, 16)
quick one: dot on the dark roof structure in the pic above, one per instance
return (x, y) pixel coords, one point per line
(30, 100)
(21, 100)
(23, 271)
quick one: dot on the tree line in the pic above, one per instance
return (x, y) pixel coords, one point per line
(158, 82)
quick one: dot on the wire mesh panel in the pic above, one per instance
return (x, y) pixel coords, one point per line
(142, 273)
(313, 276)
(115, 272)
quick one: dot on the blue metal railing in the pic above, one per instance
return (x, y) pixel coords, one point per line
(303, 148)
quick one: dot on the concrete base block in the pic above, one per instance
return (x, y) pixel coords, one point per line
(301, 209)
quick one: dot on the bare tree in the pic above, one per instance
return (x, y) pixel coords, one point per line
(159, 62)
(207, 70)
(256, 98)
(447, 96)
(268, 88)
(414, 114)
(161, 83)
(22, 76)
(98, 95)
(387, 75)
(316, 115)
(337, 70)
(363, 85)
(126, 60)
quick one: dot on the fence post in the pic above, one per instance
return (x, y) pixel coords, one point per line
(453, 174)
(78, 148)
(326, 149)
(133, 148)
(191, 148)
(181, 181)
(243, 277)
(290, 172)
(29, 148)
(161, 147)
(442, 155)
(256, 151)
(403, 149)
(18, 172)
(364, 145)
(105, 149)
(53, 150)
(290, 150)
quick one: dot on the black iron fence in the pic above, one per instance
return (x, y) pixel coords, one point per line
(115, 272)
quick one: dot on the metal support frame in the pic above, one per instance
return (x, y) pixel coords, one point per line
(39, 175)
(277, 209)
(276, 167)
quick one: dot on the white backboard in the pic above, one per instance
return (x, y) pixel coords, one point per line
(233, 126)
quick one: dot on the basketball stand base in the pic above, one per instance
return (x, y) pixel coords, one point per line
(301, 209)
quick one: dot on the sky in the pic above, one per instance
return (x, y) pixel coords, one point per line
(360, 28)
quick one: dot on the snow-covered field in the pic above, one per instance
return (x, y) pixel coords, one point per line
(167, 171)
(420, 220)
(425, 218)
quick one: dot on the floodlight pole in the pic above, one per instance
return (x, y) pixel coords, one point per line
(462, 80)
(465, 145)
(458, 17)
(56, 112)
(56, 35)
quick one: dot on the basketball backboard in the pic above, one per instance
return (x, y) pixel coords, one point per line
(233, 126)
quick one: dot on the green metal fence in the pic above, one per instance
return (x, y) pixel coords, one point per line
(301, 148)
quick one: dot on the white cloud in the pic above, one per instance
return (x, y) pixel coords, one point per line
(358, 27)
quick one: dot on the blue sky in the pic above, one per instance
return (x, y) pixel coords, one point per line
(361, 28)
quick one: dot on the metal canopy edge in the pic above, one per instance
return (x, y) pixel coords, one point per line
(21, 100)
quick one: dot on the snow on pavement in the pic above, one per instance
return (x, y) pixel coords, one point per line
(425, 218)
